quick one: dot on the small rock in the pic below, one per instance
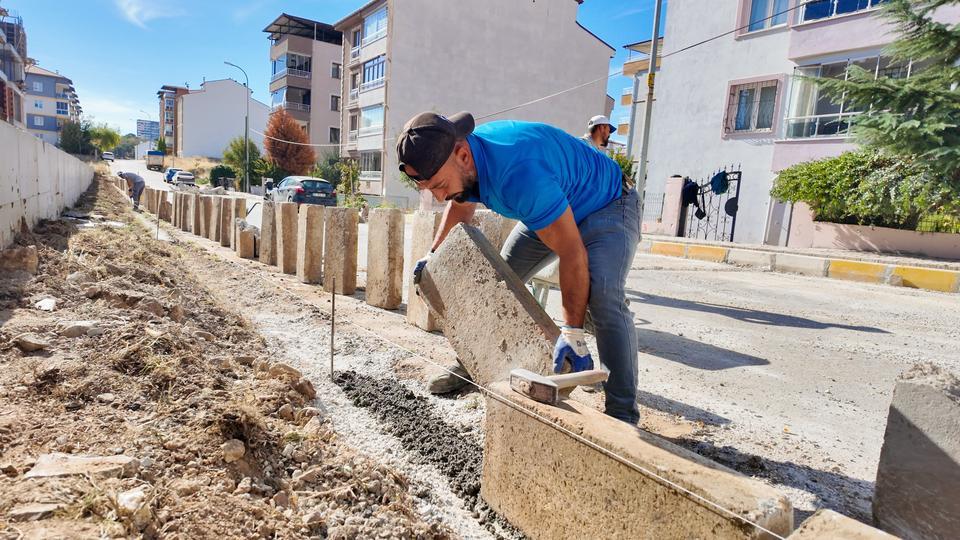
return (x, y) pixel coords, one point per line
(133, 504)
(146, 462)
(244, 486)
(95, 331)
(8, 469)
(282, 498)
(244, 360)
(47, 304)
(30, 342)
(173, 444)
(308, 412)
(284, 371)
(78, 277)
(305, 387)
(92, 292)
(289, 449)
(184, 487)
(77, 328)
(313, 427)
(313, 518)
(177, 314)
(233, 450)
(106, 397)
(151, 305)
(285, 412)
(57, 464)
(206, 336)
(33, 511)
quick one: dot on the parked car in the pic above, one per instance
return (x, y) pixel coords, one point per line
(107, 156)
(183, 177)
(304, 190)
(168, 174)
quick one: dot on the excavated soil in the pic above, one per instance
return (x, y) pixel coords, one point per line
(219, 439)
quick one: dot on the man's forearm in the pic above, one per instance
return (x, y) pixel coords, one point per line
(453, 214)
(574, 286)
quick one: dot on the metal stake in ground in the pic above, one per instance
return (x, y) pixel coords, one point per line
(333, 320)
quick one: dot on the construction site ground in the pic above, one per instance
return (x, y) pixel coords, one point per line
(781, 377)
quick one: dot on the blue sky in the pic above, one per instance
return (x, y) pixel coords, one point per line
(119, 52)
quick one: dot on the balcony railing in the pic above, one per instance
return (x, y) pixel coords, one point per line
(371, 85)
(374, 37)
(296, 106)
(354, 55)
(371, 130)
(352, 136)
(354, 94)
(292, 72)
(371, 176)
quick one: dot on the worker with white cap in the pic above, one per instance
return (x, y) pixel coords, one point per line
(598, 132)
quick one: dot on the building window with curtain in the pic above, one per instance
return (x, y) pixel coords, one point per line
(767, 14)
(375, 26)
(825, 9)
(812, 114)
(371, 166)
(371, 120)
(334, 135)
(751, 107)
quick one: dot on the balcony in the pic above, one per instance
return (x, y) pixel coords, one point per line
(370, 130)
(354, 55)
(354, 95)
(374, 37)
(371, 176)
(293, 106)
(352, 140)
(372, 85)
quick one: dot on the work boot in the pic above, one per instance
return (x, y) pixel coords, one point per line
(448, 382)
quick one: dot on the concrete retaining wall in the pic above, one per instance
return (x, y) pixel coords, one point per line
(37, 181)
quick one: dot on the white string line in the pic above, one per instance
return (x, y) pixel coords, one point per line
(576, 436)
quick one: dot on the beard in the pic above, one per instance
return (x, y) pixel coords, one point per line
(469, 180)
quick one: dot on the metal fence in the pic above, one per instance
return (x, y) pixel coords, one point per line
(714, 217)
(653, 206)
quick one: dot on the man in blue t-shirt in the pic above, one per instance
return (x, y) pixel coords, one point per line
(571, 202)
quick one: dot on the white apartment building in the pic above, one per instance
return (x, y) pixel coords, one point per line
(306, 68)
(402, 57)
(208, 118)
(737, 101)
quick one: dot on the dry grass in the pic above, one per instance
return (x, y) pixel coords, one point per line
(199, 166)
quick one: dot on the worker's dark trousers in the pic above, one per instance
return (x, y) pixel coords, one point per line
(610, 235)
(137, 191)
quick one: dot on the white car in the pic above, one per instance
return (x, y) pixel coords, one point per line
(107, 156)
(183, 177)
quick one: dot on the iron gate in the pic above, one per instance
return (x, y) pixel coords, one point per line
(716, 216)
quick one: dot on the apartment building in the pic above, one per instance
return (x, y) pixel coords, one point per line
(50, 101)
(739, 101)
(402, 57)
(13, 57)
(205, 120)
(148, 130)
(306, 68)
(167, 98)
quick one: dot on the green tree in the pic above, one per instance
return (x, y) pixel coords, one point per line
(327, 169)
(75, 138)
(915, 116)
(349, 182)
(234, 158)
(104, 138)
(162, 145)
(126, 148)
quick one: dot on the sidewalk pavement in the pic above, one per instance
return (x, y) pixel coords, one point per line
(920, 273)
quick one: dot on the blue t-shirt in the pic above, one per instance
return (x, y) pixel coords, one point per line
(531, 172)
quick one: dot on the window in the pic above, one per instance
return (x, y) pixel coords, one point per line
(824, 9)
(37, 104)
(168, 104)
(814, 115)
(767, 14)
(334, 135)
(375, 26)
(61, 107)
(373, 72)
(335, 70)
(334, 103)
(299, 65)
(354, 122)
(371, 166)
(750, 107)
(357, 37)
(37, 86)
(38, 121)
(371, 120)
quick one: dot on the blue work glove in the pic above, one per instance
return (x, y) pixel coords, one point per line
(571, 351)
(418, 269)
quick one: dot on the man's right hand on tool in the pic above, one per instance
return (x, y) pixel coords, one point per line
(571, 349)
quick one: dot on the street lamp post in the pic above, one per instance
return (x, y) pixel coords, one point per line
(246, 129)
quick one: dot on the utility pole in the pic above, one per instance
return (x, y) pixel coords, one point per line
(246, 129)
(648, 106)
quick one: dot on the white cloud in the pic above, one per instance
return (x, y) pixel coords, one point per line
(244, 12)
(140, 12)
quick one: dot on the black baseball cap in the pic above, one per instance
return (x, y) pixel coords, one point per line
(428, 139)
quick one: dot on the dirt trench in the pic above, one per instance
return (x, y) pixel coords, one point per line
(165, 413)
